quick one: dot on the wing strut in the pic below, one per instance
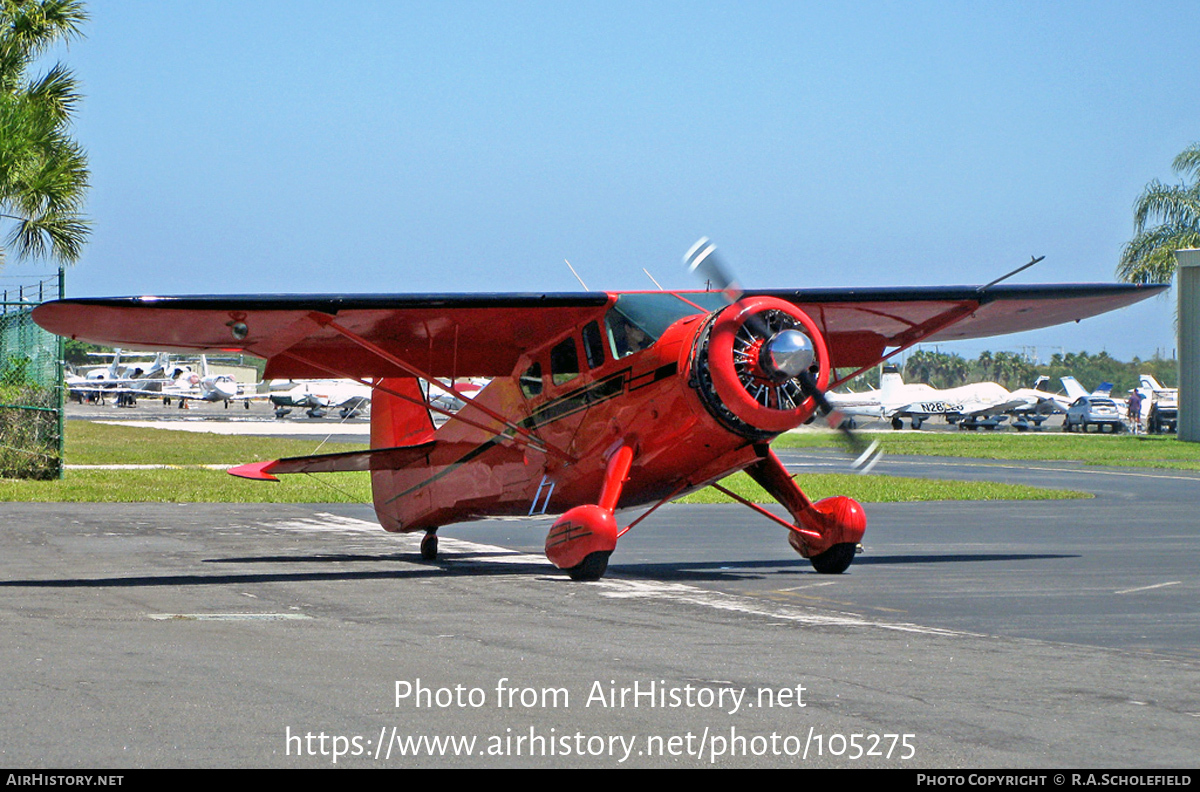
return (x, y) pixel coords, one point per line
(915, 336)
(529, 438)
(764, 512)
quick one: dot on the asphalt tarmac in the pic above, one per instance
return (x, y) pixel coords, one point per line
(1056, 634)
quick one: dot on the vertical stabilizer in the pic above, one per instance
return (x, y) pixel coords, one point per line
(890, 381)
(397, 421)
(1074, 389)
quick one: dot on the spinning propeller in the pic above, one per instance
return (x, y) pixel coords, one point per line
(777, 358)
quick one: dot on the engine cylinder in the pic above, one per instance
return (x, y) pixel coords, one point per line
(737, 382)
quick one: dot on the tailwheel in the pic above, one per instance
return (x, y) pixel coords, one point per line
(593, 567)
(429, 546)
(836, 559)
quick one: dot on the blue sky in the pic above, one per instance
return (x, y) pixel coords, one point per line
(431, 147)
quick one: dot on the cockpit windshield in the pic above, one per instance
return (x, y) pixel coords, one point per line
(636, 321)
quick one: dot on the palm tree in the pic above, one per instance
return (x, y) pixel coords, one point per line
(43, 171)
(1149, 256)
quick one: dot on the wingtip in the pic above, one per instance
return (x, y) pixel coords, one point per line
(258, 471)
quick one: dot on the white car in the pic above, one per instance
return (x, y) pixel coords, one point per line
(1093, 411)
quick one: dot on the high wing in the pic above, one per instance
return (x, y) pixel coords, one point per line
(483, 335)
(860, 323)
(448, 335)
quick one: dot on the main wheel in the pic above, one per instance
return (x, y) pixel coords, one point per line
(429, 546)
(593, 567)
(835, 560)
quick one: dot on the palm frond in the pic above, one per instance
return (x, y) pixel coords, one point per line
(1166, 218)
(43, 171)
(1188, 162)
(1168, 205)
(1150, 256)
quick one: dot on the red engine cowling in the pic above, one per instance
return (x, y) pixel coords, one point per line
(731, 376)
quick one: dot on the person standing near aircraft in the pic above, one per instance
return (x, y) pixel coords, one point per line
(1135, 411)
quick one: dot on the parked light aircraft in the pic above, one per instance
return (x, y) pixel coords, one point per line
(206, 385)
(598, 401)
(93, 384)
(979, 404)
(125, 381)
(317, 396)
(1038, 404)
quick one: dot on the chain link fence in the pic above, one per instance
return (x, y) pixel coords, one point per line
(31, 385)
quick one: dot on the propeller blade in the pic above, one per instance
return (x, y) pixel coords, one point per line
(702, 260)
(867, 454)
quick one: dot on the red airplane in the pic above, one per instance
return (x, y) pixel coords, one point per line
(599, 401)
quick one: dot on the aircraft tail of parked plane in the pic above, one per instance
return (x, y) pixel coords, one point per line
(1073, 388)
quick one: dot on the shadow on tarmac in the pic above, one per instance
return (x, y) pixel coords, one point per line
(475, 564)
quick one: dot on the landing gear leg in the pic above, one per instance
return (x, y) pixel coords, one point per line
(581, 540)
(828, 532)
(429, 545)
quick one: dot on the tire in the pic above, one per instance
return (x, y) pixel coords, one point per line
(897, 424)
(593, 567)
(835, 560)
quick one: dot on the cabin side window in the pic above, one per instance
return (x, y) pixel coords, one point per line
(564, 362)
(531, 381)
(624, 337)
(593, 345)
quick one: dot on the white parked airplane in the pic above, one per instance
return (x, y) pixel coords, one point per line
(982, 404)
(206, 386)
(124, 380)
(317, 396)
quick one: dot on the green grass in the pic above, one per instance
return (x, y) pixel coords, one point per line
(188, 485)
(90, 443)
(1156, 451)
(186, 481)
(884, 489)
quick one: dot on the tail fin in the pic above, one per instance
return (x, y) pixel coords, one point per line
(890, 380)
(1074, 389)
(397, 421)
(401, 435)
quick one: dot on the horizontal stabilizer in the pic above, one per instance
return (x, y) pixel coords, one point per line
(374, 459)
